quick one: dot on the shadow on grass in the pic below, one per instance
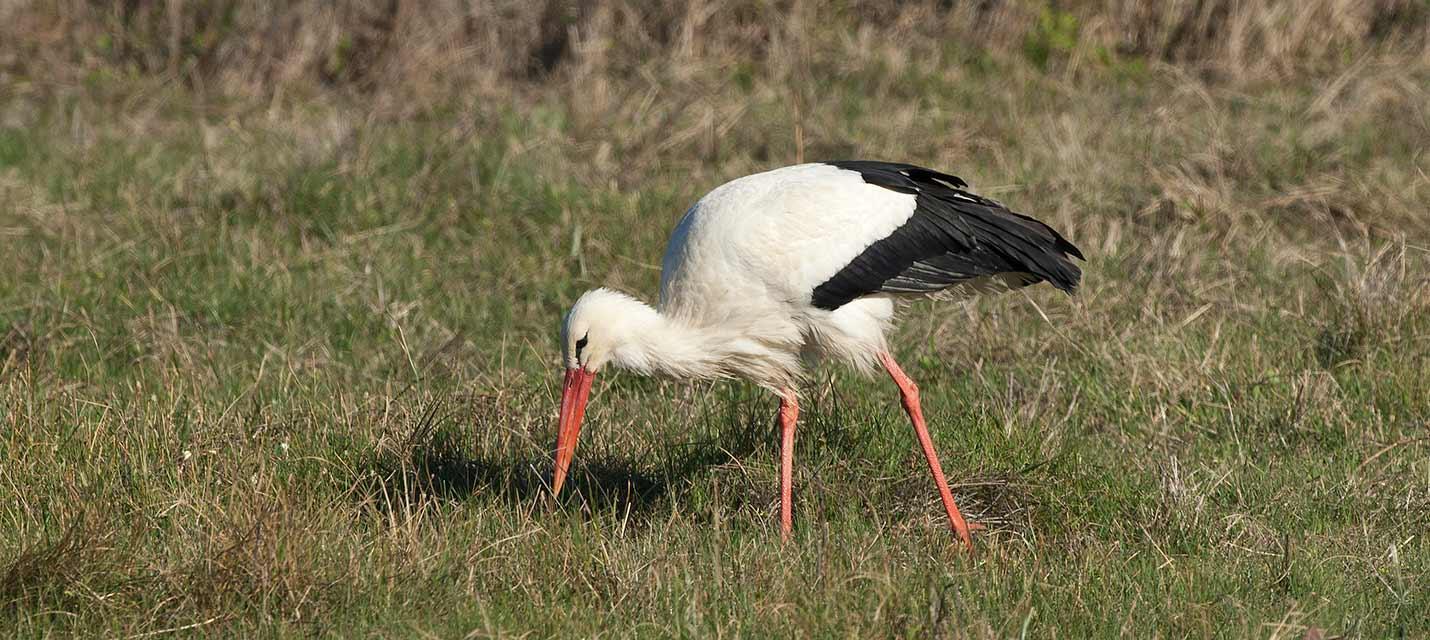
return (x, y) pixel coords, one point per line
(596, 485)
(439, 461)
(434, 462)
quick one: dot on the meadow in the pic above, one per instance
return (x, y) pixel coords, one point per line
(280, 290)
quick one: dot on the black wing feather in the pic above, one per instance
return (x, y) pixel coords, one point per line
(953, 237)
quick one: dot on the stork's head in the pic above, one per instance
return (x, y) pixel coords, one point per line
(603, 327)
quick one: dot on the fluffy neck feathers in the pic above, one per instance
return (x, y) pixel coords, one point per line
(647, 342)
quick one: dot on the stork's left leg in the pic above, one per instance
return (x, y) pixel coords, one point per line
(789, 412)
(910, 393)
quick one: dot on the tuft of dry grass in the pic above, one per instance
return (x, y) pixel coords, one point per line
(1376, 297)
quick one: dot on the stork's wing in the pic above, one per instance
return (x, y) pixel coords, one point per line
(953, 237)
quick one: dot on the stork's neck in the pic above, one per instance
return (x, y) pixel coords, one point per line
(657, 344)
(626, 333)
(651, 342)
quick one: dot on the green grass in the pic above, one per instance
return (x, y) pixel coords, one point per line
(293, 371)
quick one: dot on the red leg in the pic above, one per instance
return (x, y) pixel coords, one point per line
(910, 393)
(789, 412)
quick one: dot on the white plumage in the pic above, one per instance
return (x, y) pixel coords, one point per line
(774, 270)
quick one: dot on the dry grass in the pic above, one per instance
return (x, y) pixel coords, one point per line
(283, 283)
(257, 48)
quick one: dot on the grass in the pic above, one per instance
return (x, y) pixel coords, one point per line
(282, 360)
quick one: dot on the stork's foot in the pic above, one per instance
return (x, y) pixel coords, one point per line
(966, 536)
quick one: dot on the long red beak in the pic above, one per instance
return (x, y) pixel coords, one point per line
(574, 392)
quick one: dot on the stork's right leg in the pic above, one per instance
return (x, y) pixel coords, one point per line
(910, 394)
(789, 412)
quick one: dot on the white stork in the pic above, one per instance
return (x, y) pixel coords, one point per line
(801, 263)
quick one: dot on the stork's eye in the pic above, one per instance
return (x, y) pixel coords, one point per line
(580, 344)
